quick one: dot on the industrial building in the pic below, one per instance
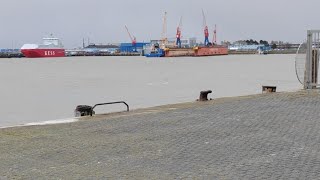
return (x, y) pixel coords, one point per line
(130, 47)
(253, 47)
(9, 50)
(93, 48)
(185, 42)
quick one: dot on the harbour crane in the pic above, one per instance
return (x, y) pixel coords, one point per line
(178, 35)
(164, 39)
(206, 30)
(133, 40)
(215, 35)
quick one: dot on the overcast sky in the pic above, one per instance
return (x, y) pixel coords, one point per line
(103, 21)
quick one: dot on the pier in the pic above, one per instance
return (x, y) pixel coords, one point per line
(267, 136)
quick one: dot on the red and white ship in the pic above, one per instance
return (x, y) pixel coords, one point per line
(51, 47)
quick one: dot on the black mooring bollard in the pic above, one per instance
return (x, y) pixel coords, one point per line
(269, 89)
(204, 95)
(83, 110)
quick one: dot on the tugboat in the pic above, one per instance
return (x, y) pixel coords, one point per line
(51, 47)
(262, 50)
(153, 51)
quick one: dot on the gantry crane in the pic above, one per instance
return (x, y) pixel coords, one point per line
(178, 35)
(133, 39)
(206, 30)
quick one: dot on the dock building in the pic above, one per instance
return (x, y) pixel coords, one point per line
(131, 48)
(185, 42)
(253, 47)
(93, 48)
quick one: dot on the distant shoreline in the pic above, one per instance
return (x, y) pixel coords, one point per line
(230, 53)
(289, 51)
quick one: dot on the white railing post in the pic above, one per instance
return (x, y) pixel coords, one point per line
(312, 60)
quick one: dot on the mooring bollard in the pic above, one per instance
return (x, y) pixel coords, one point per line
(83, 110)
(269, 89)
(204, 95)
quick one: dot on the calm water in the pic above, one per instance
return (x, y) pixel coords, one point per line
(35, 90)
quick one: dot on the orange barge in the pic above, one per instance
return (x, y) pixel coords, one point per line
(215, 50)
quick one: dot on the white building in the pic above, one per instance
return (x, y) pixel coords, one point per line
(185, 42)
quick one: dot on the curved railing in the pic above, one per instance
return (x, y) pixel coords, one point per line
(102, 104)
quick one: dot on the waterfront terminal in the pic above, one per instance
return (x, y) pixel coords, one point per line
(267, 136)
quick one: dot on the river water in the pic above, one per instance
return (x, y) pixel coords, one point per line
(36, 90)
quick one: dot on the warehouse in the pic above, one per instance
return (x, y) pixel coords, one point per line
(129, 47)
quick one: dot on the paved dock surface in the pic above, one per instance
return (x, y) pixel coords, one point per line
(270, 136)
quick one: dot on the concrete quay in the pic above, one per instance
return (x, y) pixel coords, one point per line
(267, 136)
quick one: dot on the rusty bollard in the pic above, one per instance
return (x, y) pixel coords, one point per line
(269, 89)
(83, 110)
(204, 95)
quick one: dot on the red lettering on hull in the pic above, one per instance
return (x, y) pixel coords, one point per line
(40, 53)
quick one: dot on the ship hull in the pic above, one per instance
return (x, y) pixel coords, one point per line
(179, 52)
(211, 51)
(41, 53)
(197, 51)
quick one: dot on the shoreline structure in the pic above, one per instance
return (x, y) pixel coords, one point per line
(146, 110)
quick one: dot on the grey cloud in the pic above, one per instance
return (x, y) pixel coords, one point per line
(103, 20)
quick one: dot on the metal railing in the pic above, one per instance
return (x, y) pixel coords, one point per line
(102, 104)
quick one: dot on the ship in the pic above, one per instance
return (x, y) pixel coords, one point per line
(51, 47)
(212, 50)
(153, 50)
(197, 51)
